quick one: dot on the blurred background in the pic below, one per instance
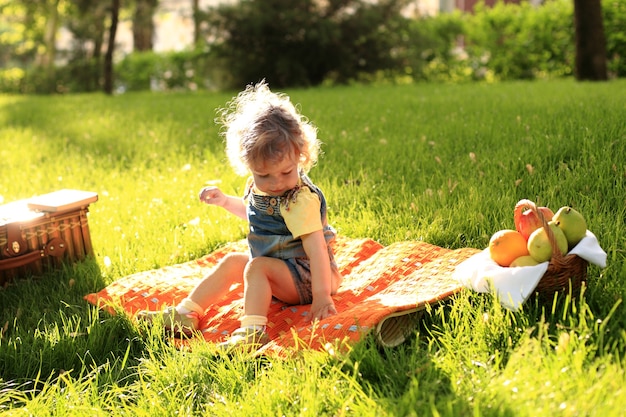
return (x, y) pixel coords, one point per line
(67, 46)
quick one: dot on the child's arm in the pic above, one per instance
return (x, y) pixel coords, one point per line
(235, 205)
(315, 248)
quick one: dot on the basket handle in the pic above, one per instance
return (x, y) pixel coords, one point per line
(556, 252)
(520, 208)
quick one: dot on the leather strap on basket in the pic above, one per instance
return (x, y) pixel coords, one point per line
(56, 247)
(16, 245)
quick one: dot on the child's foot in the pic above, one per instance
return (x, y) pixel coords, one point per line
(248, 339)
(173, 321)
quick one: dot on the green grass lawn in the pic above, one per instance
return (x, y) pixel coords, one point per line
(440, 163)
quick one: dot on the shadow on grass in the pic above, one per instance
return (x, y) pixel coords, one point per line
(411, 377)
(48, 329)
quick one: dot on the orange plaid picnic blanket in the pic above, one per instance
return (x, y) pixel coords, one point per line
(383, 291)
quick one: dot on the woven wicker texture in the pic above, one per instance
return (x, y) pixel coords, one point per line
(37, 230)
(384, 289)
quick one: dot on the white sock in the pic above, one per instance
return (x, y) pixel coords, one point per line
(188, 306)
(254, 322)
(183, 310)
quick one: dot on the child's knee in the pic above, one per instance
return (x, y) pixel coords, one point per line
(255, 266)
(263, 268)
(235, 259)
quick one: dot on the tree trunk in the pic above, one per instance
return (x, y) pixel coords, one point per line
(99, 16)
(46, 60)
(590, 41)
(143, 25)
(108, 58)
(99, 38)
(195, 6)
(50, 34)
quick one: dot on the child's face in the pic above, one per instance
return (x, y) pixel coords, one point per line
(276, 177)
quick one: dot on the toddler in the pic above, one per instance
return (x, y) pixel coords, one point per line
(289, 237)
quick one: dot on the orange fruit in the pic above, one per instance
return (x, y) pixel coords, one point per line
(507, 245)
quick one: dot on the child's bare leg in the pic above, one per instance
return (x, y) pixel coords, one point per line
(185, 317)
(215, 285)
(266, 277)
(263, 277)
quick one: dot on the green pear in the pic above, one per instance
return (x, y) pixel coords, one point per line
(525, 260)
(572, 223)
(539, 246)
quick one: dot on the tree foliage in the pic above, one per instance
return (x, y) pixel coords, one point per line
(522, 41)
(614, 20)
(29, 32)
(305, 42)
(22, 32)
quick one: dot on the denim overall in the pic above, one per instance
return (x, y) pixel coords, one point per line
(269, 235)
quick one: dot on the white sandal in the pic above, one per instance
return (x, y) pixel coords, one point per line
(173, 321)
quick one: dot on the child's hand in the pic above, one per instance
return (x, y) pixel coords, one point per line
(213, 195)
(322, 310)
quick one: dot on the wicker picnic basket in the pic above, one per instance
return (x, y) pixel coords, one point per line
(43, 232)
(565, 272)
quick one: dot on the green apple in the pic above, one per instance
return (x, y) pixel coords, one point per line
(572, 223)
(525, 260)
(539, 246)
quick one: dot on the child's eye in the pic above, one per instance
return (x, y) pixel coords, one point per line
(288, 172)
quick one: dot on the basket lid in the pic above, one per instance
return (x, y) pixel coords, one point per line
(62, 200)
(17, 211)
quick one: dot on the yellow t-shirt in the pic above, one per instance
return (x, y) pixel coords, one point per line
(303, 216)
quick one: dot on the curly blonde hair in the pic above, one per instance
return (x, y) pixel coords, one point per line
(260, 126)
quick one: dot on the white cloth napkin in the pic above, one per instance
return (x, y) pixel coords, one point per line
(514, 285)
